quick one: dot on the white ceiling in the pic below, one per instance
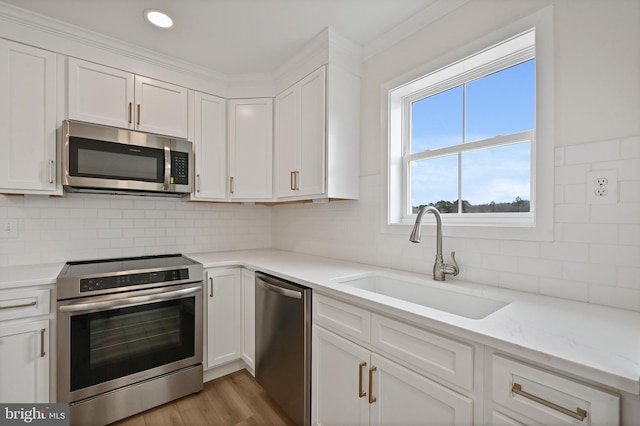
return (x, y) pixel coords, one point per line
(241, 36)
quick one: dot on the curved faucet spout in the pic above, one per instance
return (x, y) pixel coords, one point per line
(440, 269)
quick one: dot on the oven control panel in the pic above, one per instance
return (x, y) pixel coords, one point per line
(129, 280)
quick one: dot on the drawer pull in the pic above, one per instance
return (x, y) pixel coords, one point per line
(24, 305)
(579, 414)
(361, 392)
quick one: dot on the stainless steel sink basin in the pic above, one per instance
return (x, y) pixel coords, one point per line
(424, 293)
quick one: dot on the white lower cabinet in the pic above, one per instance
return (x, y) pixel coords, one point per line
(520, 393)
(25, 354)
(357, 385)
(403, 397)
(24, 351)
(229, 331)
(248, 315)
(340, 380)
(222, 291)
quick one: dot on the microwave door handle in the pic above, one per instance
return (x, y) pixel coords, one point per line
(167, 166)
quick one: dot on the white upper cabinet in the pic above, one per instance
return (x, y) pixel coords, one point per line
(250, 149)
(317, 137)
(210, 147)
(104, 95)
(27, 119)
(300, 137)
(160, 107)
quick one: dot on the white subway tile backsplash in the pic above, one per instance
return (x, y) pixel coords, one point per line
(620, 297)
(592, 152)
(589, 232)
(565, 289)
(571, 175)
(520, 282)
(630, 147)
(86, 226)
(589, 273)
(572, 213)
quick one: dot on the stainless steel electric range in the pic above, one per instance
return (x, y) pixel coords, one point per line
(129, 335)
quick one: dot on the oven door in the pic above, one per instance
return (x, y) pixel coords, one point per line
(106, 342)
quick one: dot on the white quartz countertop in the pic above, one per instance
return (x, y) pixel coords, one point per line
(596, 343)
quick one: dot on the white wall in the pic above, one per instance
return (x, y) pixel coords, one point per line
(595, 252)
(84, 226)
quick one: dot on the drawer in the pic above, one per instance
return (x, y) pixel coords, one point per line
(346, 319)
(429, 352)
(23, 304)
(549, 398)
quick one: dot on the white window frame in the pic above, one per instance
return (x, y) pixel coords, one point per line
(396, 95)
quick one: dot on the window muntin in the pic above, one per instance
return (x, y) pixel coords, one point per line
(457, 122)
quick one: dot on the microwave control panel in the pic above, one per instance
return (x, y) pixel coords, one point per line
(179, 168)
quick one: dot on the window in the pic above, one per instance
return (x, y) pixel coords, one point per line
(465, 137)
(469, 147)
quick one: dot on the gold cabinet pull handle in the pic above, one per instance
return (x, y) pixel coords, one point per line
(579, 414)
(231, 184)
(361, 392)
(291, 181)
(138, 118)
(210, 286)
(42, 352)
(23, 305)
(198, 182)
(372, 398)
(130, 112)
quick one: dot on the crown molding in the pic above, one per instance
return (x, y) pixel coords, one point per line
(436, 10)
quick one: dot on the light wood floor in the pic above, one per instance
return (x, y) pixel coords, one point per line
(236, 399)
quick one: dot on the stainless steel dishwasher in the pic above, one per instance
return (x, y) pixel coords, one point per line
(283, 344)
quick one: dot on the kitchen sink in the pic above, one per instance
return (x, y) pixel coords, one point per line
(423, 292)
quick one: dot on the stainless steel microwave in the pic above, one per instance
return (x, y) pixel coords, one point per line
(107, 159)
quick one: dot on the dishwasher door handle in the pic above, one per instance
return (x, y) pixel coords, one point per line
(293, 294)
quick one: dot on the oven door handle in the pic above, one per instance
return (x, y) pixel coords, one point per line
(80, 307)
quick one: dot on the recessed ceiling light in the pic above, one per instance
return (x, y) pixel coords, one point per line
(157, 18)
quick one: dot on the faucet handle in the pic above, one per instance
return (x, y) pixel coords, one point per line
(455, 270)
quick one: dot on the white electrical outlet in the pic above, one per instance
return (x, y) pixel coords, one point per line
(602, 187)
(8, 228)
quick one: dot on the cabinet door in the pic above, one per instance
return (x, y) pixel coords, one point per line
(27, 119)
(406, 398)
(250, 148)
(340, 380)
(223, 316)
(286, 142)
(161, 107)
(99, 94)
(248, 314)
(210, 146)
(24, 351)
(311, 153)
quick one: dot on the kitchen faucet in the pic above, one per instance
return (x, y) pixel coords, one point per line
(440, 269)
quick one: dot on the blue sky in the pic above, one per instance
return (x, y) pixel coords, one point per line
(498, 104)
